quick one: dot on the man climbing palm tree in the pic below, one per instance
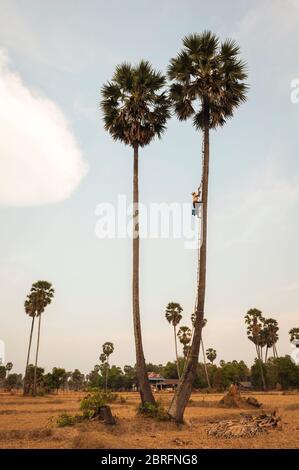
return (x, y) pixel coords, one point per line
(208, 84)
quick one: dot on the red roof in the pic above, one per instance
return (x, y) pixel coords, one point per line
(153, 375)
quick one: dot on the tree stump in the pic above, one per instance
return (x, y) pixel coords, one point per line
(106, 415)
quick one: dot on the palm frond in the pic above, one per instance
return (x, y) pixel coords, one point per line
(207, 74)
(134, 104)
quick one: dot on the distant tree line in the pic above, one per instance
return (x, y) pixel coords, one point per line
(279, 373)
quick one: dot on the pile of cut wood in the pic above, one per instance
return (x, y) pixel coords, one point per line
(247, 426)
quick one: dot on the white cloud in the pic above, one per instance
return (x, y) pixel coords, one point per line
(40, 159)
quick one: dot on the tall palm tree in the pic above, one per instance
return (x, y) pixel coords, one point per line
(208, 84)
(173, 316)
(136, 110)
(211, 354)
(255, 333)
(30, 306)
(41, 294)
(108, 349)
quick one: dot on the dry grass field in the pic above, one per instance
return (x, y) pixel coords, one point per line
(29, 423)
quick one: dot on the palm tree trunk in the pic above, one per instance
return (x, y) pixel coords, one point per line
(176, 352)
(145, 390)
(28, 355)
(36, 356)
(262, 374)
(183, 392)
(106, 378)
(266, 354)
(204, 363)
(260, 361)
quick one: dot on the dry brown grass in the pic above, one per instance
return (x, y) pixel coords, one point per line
(30, 423)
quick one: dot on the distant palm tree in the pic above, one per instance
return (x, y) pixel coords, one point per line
(135, 112)
(8, 367)
(173, 316)
(41, 295)
(108, 349)
(103, 358)
(255, 333)
(270, 333)
(30, 306)
(294, 334)
(185, 335)
(208, 84)
(211, 354)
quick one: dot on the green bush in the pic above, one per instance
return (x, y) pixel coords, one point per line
(65, 420)
(153, 411)
(91, 404)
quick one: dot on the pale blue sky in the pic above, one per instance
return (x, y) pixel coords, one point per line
(63, 51)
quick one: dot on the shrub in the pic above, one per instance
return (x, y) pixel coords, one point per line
(91, 404)
(65, 419)
(153, 411)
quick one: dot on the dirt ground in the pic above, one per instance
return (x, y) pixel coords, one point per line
(27, 422)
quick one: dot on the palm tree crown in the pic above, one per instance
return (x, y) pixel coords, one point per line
(294, 334)
(184, 335)
(108, 348)
(255, 323)
(270, 332)
(208, 77)
(211, 354)
(135, 109)
(41, 294)
(173, 313)
(103, 358)
(9, 366)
